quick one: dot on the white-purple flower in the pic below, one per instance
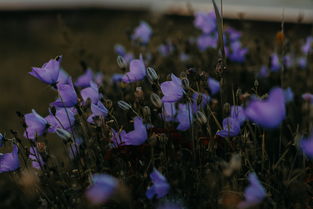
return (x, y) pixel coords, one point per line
(84, 80)
(36, 125)
(268, 113)
(254, 193)
(172, 90)
(64, 118)
(102, 188)
(137, 71)
(142, 33)
(91, 92)
(160, 186)
(206, 22)
(67, 95)
(98, 110)
(231, 127)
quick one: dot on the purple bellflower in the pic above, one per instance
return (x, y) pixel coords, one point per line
(168, 111)
(308, 46)
(254, 193)
(165, 49)
(233, 34)
(275, 63)
(231, 127)
(160, 186)
(63, 77)
(206, 41)
(206, 22)
(306, 144)
(184, 117)
(270, 112)
(102, 188)
(289, 95)
(263, 73)
(302, 62)
(116, 78)
(238, 113)
(238, 53)
(120, 50)
(97, 110)
(84, 80)
(67, 95)
(9, 161)
(142, 33)
(35, 157)
(214, 85)
(136, 137)
(199, 101)
(172, 90)
(49, 72)
(36, 125)
(137, 71)
(99, 77)
(91, 92)
(63, 119)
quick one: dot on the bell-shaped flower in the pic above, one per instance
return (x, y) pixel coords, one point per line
(263, 73)
(268, 113)
(102, 188)
(275, 63)
(231, 127)
(254, 193)
(136, 137)
(137, 71)
(308, 97)
(91, 92)
(213, 85)
(36, 125)
(168, 112)
(9, 161)
(84, 80)
(206, 22)
(160, 186)
(63, 77)
(199, 101)
(306, 144)
(237, 52)
(35, 157)
(233, 34)
(67, 95)
(49, 72)
(289, 95)
(302, 62)
(172, 90)
(238, 113)
(142, 33)
(98, 110)
(64, 118)
(99, 78)
(184, 117)
(206, 41)
(308, 46)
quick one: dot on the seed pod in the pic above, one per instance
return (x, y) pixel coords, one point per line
(185, 83)
(152, 75)
(63, 134)
(124, 105)
(201, 118)
(121, 62)
(156, 100)
(146, 111)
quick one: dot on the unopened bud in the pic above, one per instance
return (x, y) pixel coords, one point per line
(63, 134)
(185, 83)
(201, 118)
(124, 105)
(121, 62)
(152, 75)
(156, 100)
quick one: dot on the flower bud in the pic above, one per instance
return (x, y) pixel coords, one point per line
(124, 105)
(121, 62)
(63, 134)
(201, 118)
(156, 100)
(152, 75)
(185, 83)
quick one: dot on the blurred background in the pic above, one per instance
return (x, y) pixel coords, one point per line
(34, 31)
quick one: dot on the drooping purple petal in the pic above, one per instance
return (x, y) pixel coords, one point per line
(63, 78)
(35, 157)
(137, 71)
(268, 113)
(64, 119)
(184, 117)
(36, 125)
(254, 193)
(67, 95)
(49, 72)
(97, 110)
(138, 136)
(9, 161)
(172, 90)
(102, 188)
(306, 145)
(84, 80)
(214, 85)
(231, 127)
(160, 186)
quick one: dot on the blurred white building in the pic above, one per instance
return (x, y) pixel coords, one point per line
(268, 10)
